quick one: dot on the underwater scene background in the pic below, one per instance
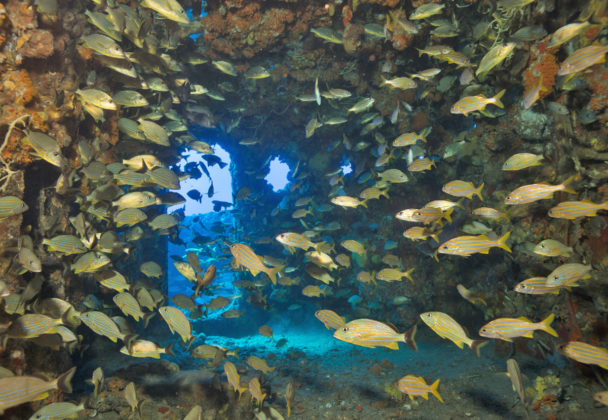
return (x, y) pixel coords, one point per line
(338, 209)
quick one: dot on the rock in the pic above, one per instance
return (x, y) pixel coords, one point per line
(39, 44)
(353, 36)
(531, 126)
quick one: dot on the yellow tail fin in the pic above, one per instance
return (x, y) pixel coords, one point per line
(272, 273)
(568, 184)
(497, 97)
(502, 242)
(434, 390)
(547, 325)
(478, 191)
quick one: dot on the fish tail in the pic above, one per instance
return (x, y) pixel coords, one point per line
(476, 346)
(317, 246)
(364, 203)
(547, 325)
(434, 390)
(373, 276)
(64, 382)
(435, 253)
(568, 184)
(288, 410)
(408, 338)
(408, 274)
(502, 242)
(496, 99)
(189, 342)
(147, 317)
(385, 192)
(448, 215)
(169, 350)
(272, 273)
(478, 191)
(425, 132)
(435, 237)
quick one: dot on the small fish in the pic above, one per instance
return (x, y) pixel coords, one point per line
(516, 379)
(371, 333)
(468, 245)
(409, 139)
(233, 377)
(420, 165)
(103, 45)
(128, 305)
(469, 296)
(462, 189)
(534, 192)
(17, 390)
(177, 322)
(330, 319)
(259, 364)
(470, 104)
(567, 275)
(32, 326)
(257, 72)
(45, 147)
(246, 257)
(391, 274)
(403, 83)
(151, 269)
(552, 248)
(536, 286)
(102, 324)
(362, 105)
(169, 9)
(130, 394)
(416, 386)
(582, 59)
(489, 213)
(427, 10)
(317, 93)
(129, 99)
(509, 328)
(571, 210)
(394, 176)
(145, 348)
(328, 35)
(265, 331)
(419, 233)
(90, 262)
(447, 327)
(586, 353)
(466, 76)
(196, 413)
(290, 396)
(347, 201)
(494, 57)
(314, 291)
(353, 246)
(256, 391)
(521, 161)
(137, 199)
(566, 33)
(531, 96)
(97, 98)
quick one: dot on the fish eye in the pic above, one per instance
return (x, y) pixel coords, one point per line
(345, 329)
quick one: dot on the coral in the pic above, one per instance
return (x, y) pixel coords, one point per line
(543, 64)
(353, 36)
(17, 88)
(37, 43)
(21, 15)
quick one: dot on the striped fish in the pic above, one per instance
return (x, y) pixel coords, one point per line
(97, 98)
(586, 353)
(582, 59)
(567, 275)
(45, 147)
(245, 256)
(177, 322)
(259, 364)
(509, 328)
(460, 60)
(137, 199)
(552, 248)
(421, 165)
(330, 319)
(295, 240)
(470, 296)
(165, 178)
(353, 246)
(103, 45)
(90, 262)
(131, 129)
(33, 325)
(574, 209)
(102, 324)
(391, 274)
(521, 161)
(536, 286)
(443, 205)
(466, 76)
(11, 206)
(233, 377)
(533, 95)
(409, 139)
(129, 217)
(17, 390)
(129, 98)
(534, 192)
(66, 244)
(163, 221)
(415, 386)
(151, 269)
(256, 391)
(601, 397)
(130, 177)
(154, 132)
(112, 279)
(424, 215)
(418, 233)
(489, 213)
(370, 333)
(468, 245)
(470, 104)
(447, 327)
(58, 410)
(128, 305)
(460, 188)
(145, 348)
(290, 396)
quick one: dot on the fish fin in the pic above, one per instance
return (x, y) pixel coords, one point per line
(190, 341)
(476, 346)
(523, 318)
(497, 97)
(485, 251)
(435, 254)
(64, 382)
(272, 273)
(114, 340)
(459, 344)
(435, 237)
(169, 350)
(147, 317)
(41, 396)
(364, 203)
(408, 274)
(411, 396)
(447, 214)
(547, 325)
(568, 184)
(128, 339)
(393, 346)
(604, 366)
(434, 390)
(408, 338)
(425, 396)
(478, 191)
(529, 334)
(502, 242)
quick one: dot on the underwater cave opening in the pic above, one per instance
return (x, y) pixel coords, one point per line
(277, 174)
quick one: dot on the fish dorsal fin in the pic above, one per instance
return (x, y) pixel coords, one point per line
(523, 318)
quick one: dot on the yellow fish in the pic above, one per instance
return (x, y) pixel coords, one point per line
(330, 319)
(416, 386)
(246, 257)
(521, 161)
(586, 353)
(534, 192)
(468, 245)
(447, 327)
(460, 188)
(470, 104)
(509, 328)
(370, 333)
(574, 209)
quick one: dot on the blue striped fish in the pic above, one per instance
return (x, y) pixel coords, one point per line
(470, 104)
(17, 390)
(102, 324)
(103, 45)
(45, 147)
(112, 279)
(11, 206)
(586, 353)
(233, 377)
(33, 325)
(165, 178)
(256, 391)
(468, 245)
(460, 188)
(128, 305)
(370, 333)
(245, 256)
(66, 244)
(534, 192)
(415, 386)
(574, 209)
(582, 59)
(567, 275)
(129, 217)
(58, 410)
(177, 322)
(295, 240)
(447, 327)
(509, 328)
(330, 319)
(536, 286)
